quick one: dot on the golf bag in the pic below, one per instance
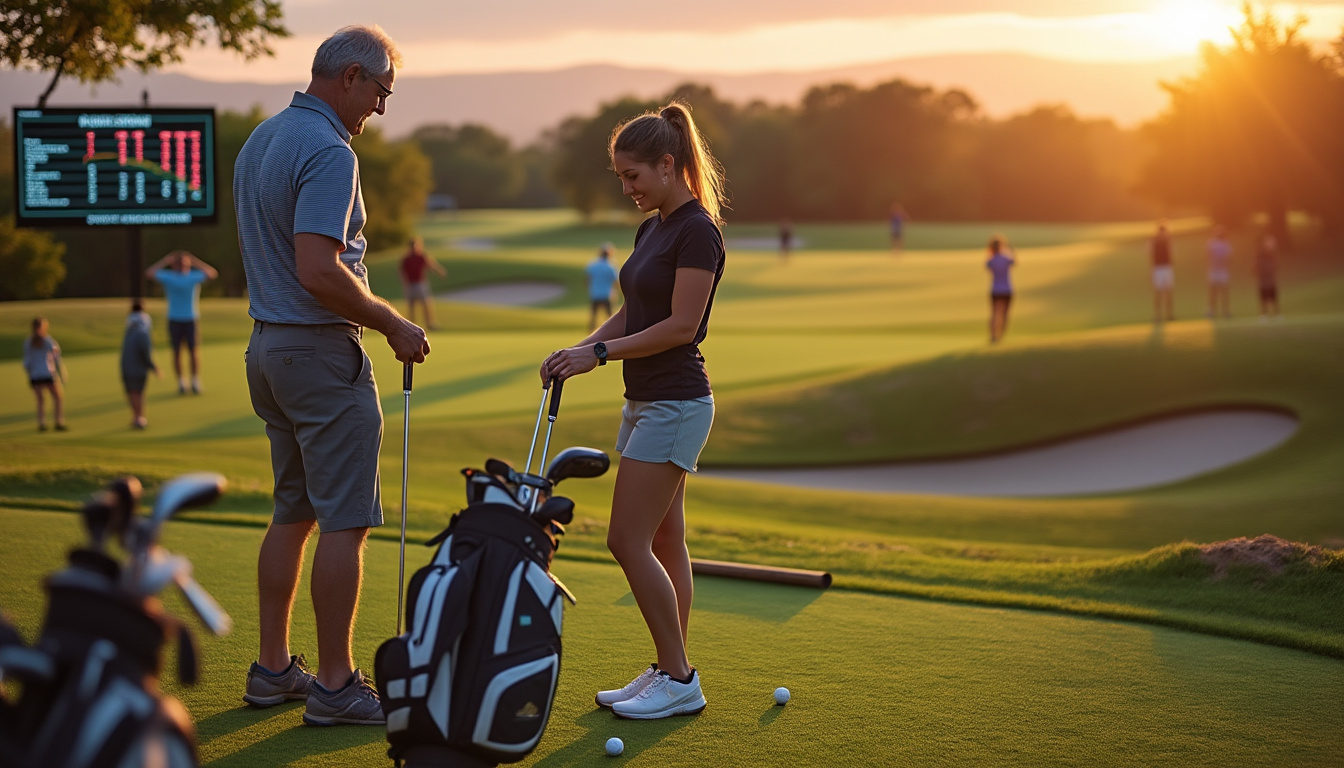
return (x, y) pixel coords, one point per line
(472, 679)
(90, 696)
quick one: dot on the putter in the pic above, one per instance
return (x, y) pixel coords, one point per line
(405, 455)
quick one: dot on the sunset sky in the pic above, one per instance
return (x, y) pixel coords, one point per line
(459, 36)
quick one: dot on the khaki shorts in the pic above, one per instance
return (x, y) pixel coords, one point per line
(313, 386)
(665, 430)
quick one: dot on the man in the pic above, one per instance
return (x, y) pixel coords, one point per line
(181, 274)
(599, 276)
(1163, 275)
(300, 215)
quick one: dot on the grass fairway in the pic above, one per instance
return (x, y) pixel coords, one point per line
(876, 680)
(1046, 631)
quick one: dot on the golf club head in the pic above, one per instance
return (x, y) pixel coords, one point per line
(557, 509)
(578, 462)
(97, 513)
(128, 491)
(501, 469)
(195, 489)
(160, 569)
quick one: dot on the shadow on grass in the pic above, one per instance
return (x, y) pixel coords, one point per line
(774, 603)
(601, 725)
(391, 399)
(297, 744)
(769, 716)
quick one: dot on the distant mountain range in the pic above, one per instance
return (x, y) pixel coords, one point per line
(521, 105)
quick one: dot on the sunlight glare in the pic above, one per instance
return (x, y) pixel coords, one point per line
(1185, 24)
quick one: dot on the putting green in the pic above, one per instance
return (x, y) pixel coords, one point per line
(875, 680)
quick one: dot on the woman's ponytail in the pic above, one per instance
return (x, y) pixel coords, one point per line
(671, 131)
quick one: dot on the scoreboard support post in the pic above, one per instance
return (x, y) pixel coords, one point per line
(135, 262)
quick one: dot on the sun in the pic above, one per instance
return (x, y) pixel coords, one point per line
(1185, 24)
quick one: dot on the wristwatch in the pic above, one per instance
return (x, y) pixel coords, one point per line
(600, 349)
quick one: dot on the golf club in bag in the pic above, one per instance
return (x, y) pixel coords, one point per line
(471, 681)
(88, 689)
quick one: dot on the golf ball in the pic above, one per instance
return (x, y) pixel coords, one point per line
(781, 696)
(615, 746)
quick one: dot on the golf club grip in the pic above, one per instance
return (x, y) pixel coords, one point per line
(406, 375)
(557, 386)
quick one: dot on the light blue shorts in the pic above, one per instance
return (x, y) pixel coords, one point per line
(666, 430)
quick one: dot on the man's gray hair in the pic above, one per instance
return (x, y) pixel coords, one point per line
(365, 45)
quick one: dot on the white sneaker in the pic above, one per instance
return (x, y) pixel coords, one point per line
(663, 697)
(607, 698)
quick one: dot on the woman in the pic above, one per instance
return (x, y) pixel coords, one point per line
(46, 373)
(1000, 290)
(668, 282)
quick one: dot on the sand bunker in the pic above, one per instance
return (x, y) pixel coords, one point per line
(508, 294)
(1141, 456)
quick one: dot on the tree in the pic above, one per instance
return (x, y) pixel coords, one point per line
(93, 40)
(30, 262)
(472, 163)
(1256, 131)
(582, 171)
(395, 178)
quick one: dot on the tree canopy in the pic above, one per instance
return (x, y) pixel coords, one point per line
(1258, 130)
(93, 40)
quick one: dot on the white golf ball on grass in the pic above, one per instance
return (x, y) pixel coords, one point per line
(615, 746)
(781, 696)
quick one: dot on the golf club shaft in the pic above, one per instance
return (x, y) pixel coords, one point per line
(557, 386)
(406, 376)
(204, 605)
(536, 430)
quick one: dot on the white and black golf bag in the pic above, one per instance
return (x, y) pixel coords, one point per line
(472, 678)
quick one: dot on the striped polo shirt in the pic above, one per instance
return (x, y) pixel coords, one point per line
(296, 173)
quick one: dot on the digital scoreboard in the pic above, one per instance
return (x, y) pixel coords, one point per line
(110, 166)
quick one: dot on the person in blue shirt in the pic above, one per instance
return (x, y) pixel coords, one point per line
(599, 276)
(181, 274)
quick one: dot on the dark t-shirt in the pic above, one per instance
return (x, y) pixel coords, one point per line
(688, 237)
(1161, 252)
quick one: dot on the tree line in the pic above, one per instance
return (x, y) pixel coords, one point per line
(1255, 132)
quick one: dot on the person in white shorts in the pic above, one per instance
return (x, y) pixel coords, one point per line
(669, 282)
(1220, 253)
(1163, 275)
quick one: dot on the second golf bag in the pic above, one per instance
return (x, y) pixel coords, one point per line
(89, 687)
(472, 678)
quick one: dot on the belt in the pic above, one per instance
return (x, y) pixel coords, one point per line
(317, 328)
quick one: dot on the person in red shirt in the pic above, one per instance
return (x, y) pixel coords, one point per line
(415, 282)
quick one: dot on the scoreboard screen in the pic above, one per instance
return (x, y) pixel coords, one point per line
(110, 166)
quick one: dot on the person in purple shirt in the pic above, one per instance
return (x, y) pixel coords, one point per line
(1001, 289)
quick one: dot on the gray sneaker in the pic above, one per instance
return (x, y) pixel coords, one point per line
(355, 704)
(266, 689)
